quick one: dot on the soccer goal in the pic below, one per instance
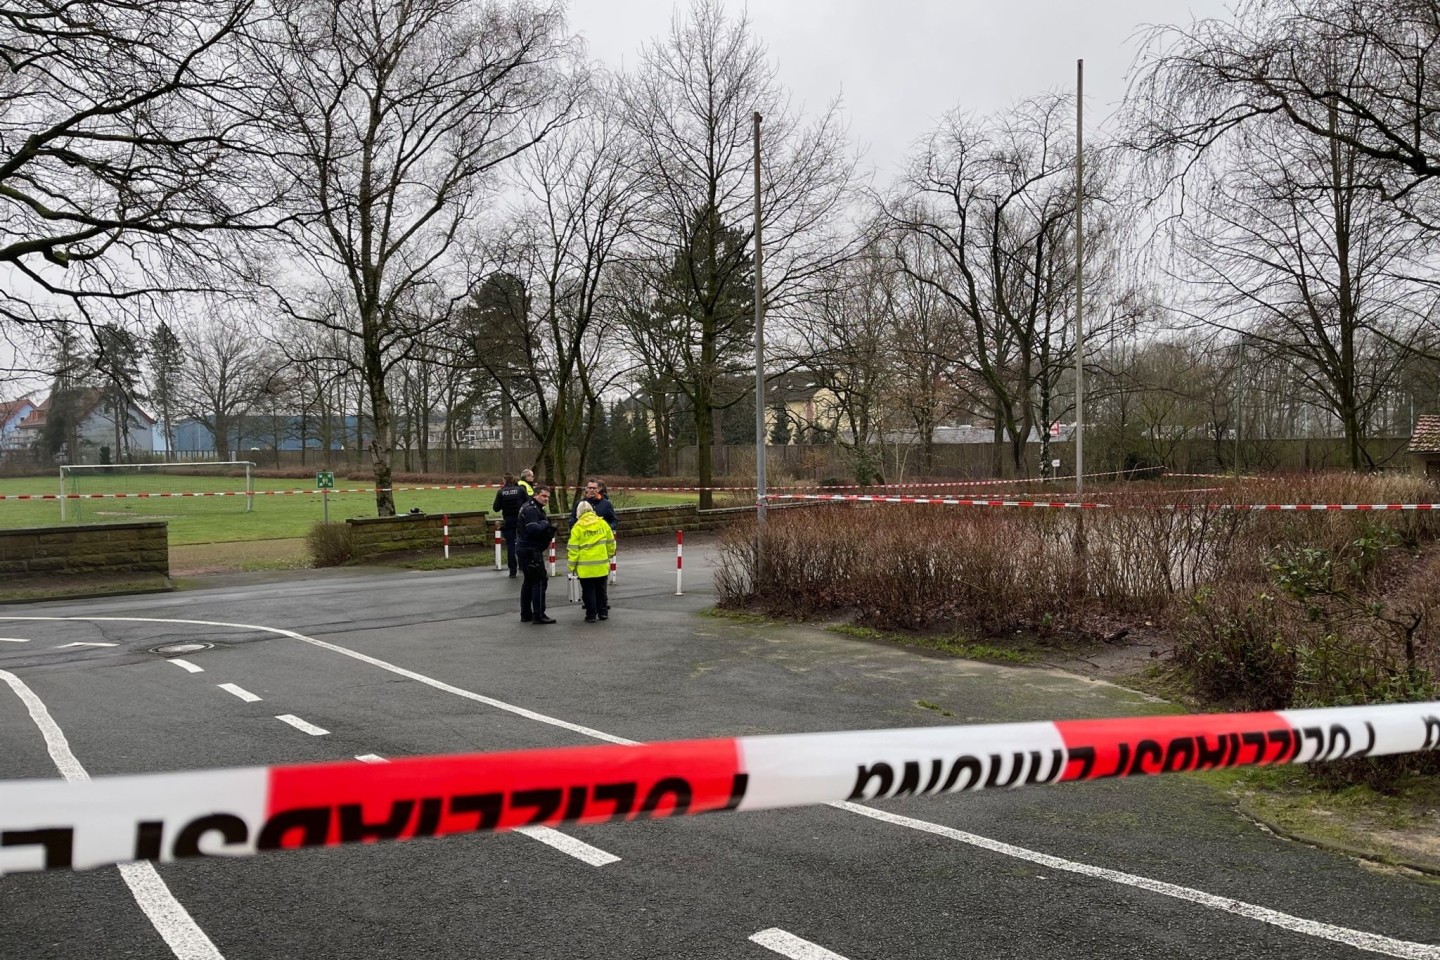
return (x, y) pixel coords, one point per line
(113, 491)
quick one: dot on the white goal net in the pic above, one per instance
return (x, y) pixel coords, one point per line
(99, 492)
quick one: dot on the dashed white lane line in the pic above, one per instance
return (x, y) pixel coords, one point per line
(179, 930)
(186, 665)
(1373, 942)
(84, 643)
(565, 843)
(789, 945)
(240, 692)
(1404, 949)
(12, 640)
(578, 849)
(302, 726)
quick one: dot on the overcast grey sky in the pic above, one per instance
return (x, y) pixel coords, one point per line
(900, 64)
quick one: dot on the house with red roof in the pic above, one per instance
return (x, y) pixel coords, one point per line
(12, 412)
(95, 428)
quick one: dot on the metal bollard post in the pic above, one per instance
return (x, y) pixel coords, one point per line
(497, 547)
(445, 521)
(679, 553)
(552, 556)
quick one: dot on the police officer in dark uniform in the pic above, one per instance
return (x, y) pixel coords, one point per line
(508, 501)
(534, 532)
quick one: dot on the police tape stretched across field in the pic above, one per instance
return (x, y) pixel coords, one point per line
(52, 824)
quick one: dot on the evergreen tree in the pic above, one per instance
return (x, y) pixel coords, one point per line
(167, 361)
(116, 362)
(603, 458)
(781, 431)
(65, 352)
(635, 445)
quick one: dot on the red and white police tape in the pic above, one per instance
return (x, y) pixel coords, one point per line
(1091, 505)
(53, 824)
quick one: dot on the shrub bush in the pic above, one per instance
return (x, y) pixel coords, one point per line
(328, 544)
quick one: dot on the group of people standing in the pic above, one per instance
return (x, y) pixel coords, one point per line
(526, 527)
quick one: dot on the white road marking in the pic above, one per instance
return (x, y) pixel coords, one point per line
(1404, 949)
(179, 930)
(186, 665)
(240, 692)
(789, 945)
(82, 643)
(1375, 943)
(12, 640)
(578, 849)
(565, 843)
(302, 725)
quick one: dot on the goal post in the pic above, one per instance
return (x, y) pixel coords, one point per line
(80, 482)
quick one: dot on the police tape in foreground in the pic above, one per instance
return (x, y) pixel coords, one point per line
(48, 824)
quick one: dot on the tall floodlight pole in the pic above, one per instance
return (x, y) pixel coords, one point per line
(759, 347)
(1079, 276)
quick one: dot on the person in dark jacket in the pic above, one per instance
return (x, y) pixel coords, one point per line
(508, 501)
(595, 496)
(534, 531)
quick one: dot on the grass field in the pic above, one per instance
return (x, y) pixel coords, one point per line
(223, 519)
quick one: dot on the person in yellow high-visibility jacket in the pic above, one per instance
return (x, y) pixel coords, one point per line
(588, 552)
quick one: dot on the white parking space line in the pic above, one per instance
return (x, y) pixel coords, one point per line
(789, 945)
(578, 849)
(171, 920)
(302, 726)
(240, 692)
(1375, 943)
(187, 666)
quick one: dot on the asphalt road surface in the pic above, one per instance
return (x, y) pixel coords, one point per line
(1152, 868)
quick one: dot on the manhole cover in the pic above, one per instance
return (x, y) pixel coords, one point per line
(174, 649)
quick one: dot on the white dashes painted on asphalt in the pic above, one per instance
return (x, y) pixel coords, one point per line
(302, 725)
(240, 692)
(789, 945)
(187, 666)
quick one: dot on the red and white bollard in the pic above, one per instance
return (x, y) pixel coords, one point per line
(497, 547)
(552, 556)
(612, 570)
(445, 520)
(679, 562)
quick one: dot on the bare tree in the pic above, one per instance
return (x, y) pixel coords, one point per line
(691, 104)
(1356, 72)
(127, 144)
(544, 320)
(984, 217)
(1288, 242)
(230, 370)
(392, 119)
(846, 339)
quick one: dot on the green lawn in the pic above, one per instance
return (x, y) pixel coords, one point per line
(223, 519)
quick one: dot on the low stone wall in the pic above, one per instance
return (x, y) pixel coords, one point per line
(373, 536)
(85, 559)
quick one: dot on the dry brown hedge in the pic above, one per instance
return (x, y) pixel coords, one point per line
(1268, 609)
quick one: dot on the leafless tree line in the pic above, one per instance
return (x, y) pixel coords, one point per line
(439, 211)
